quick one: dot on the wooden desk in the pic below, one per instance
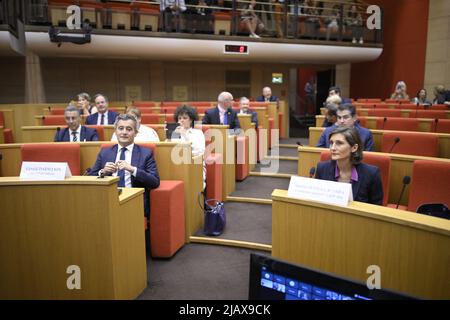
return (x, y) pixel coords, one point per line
(444, 139)
(412, 250)
(48, 226)
(189, 170)
(401, 165)
(248, 129)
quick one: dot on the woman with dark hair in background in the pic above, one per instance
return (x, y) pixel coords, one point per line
(346, 166)
(421, 98)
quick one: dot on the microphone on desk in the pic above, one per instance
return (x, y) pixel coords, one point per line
(436, 124)
(58, 129)
(396, 140)
(384, 122)
(312, 172)
(299, 144)
(87, 172)
(406, 181)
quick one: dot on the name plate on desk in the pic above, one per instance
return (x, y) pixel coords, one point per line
(331, 192)
(45, 170)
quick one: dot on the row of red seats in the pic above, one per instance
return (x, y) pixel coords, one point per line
(407, 124)
(431, 114)
(403, 106)
(430, 181)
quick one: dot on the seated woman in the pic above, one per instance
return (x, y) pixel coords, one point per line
(400, 91)
(421, 98)
(346, 166)
(84, 104)
(186, 117)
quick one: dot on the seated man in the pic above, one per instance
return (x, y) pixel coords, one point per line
(337, 91)
(74, 131)
(223, 113)
(244, 109)
(103, 116)
(330, 115)
(145, 134)
(134, 164)
(346, 117)
(267, 96)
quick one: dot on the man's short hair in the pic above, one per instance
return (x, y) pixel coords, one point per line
(336, 89)
(244, 99)
(126, 117)
(101, 95)
(71, 108)
(332, 109)
(224, 95)
(349, 107)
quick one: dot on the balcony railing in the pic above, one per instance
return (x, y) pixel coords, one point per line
(334, 21)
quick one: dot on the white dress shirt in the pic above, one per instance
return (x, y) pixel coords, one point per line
(221, 114)
(128, 154)
(78, 131)
(99, 119)
(145, 134)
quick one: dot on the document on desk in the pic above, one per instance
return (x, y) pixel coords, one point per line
(330, 192)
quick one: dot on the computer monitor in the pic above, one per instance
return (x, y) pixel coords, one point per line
(273, 279)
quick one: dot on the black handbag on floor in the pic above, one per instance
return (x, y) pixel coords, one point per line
(215, 218)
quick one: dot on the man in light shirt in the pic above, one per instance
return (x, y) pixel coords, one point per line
(145, 134)
(133, 164)
(223, 113)
(75, 132)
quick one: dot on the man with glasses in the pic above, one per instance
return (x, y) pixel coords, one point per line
(346, 117)
(74, 131)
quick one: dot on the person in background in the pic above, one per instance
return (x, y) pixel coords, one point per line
(144, 133)
(441, 96)
(186, 117)
(346, 117)
(223, 113)
(84, 104)
(332, 21)
(75, 132)
(133, 164)
(421, 98)
(354, 21)
(330, 114)
(267, 96)
(103, 116)
(170, 13)
(336, 90)
(251, 20)
(346, 166)
(400, 91)
(244, 104)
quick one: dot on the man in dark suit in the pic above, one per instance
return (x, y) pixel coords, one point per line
(346, 117)
(133, 164)
(267, 96)
(335, 90)
(244, 104)
(103, 116)
(223, 113)
(74, 131)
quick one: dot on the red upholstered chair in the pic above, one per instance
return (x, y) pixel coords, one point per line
(397, 101)
(214, 177)
(144, 104)
(281, 124)
(271, 127)
(441, 126)
(384, 113)
(50, 120)
(100, 132)
(435, 114)
(242, 158)
(430, 183)
(399, 124)
(149, 118)
(167, 218)
(439, 107)
(57, 112)
(150, 110)
(362, 121)
(54, 152)
(414, 143)
(7, 133)
(383, 162)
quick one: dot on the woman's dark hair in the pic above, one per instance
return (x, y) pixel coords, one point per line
(351, 135)
(187, 110)
(417, 95)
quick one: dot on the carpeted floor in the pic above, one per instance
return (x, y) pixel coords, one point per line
(247, 222)
(283, 166)
(259, 187)
(199, 272)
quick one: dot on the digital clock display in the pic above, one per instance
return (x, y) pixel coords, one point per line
(238, 49)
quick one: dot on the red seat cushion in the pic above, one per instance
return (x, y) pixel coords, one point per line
(414, 143)
(214, 163)
(400, 124)
(54, 120)
(100, 131)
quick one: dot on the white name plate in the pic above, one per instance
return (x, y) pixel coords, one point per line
(45, 170)
(330, 192)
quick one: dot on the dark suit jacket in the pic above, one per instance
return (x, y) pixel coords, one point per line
(93, 118)
(212, 116)
(367, 189)
(146, 175)
(262, 99)
(365, 134)
(86, 134)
